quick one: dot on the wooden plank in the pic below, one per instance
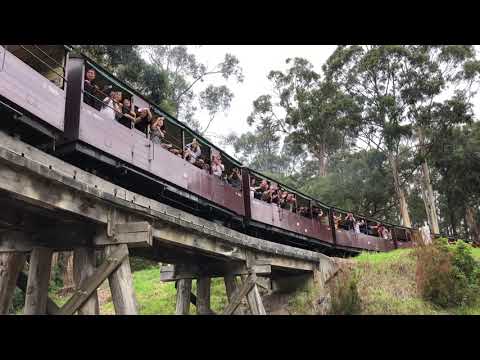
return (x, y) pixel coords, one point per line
(184, 288)
(11, 265)
(52, 308)
(177, 272)
(203, 296)
(259, 308)
(112, 261)
(83, 268)
(240, 293)
(38, 279)
(231, 285)
(137, 234)
(121, 284)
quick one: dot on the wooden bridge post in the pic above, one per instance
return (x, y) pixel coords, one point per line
(121, 284)
(36, 295)
(203, 295)
(184, 288)
(83, 267)
(11, 263)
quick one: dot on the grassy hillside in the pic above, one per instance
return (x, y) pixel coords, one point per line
(387, 285)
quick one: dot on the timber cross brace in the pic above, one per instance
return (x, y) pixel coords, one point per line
(183, 275)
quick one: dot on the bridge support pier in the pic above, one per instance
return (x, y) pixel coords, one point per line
(11, 264)
(36, 295)
(203, 296)
(184, 288)
(121, 283)
(83, 267)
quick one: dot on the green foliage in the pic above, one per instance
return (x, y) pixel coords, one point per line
(345, 298)
(138, 263)
(448, 275)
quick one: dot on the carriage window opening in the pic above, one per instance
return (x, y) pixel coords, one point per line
(166, 134)
(47, 60)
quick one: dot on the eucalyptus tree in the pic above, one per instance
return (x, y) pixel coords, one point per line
(184, 72)
(396, 87)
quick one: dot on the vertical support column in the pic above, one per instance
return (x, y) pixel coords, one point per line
(184, 288)
(203, 295)
(253, 297)
(11, 263)
(83, 267)
(38, 279)
(121, 284)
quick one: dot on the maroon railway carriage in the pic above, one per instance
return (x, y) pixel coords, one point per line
(33, 89)
(91, 136)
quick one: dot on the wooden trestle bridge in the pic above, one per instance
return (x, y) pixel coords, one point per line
(47, 205)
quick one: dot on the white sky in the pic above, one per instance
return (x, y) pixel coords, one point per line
(256, 62)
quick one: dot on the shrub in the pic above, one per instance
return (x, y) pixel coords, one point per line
(345, 299)
(448, 275)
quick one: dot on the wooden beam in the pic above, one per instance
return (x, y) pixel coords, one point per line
(137, 234)
(121, 284)
(84, 260)
(246, 287)
(203, 296)
(11, 265)
(111, 263)
(52, 308)
(184, 288)
(231, 285)
(38, 279)
(184, 271)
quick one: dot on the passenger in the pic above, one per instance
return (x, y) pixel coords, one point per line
(92, 90)
(206, 166)
(259, 190)
(143, 119)
(128, 118)
(235, 178)
(337, 219)
(358, 226)
(282, 199)
(111, 105)
(291, 202)
(275, 198)
(217, 167)
(192, 151)
(349, 222)
(267, 195)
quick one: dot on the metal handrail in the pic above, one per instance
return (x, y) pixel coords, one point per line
(51, 58)
(43, 62)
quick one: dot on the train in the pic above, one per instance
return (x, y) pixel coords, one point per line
(43, 102)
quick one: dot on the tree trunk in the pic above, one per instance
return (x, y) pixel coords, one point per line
(427, 191)
(399, 191)
(322, 159)
(473, 225)
(66, 262)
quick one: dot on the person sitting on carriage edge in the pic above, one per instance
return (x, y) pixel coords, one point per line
(111, 105)
(128, 117)
(259, 190)
(349, 222)
(192, 151)
(142, 119)
(217, 167)
(91, 89)
(235, 179)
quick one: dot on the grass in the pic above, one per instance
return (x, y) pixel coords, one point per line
(387, 285)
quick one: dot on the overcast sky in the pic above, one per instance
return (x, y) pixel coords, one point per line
(256, 62)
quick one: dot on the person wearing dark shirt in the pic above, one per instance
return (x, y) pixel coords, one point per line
(142, 119)
(258, 191)
(128, 118)
(91, 90)
(235, 179)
